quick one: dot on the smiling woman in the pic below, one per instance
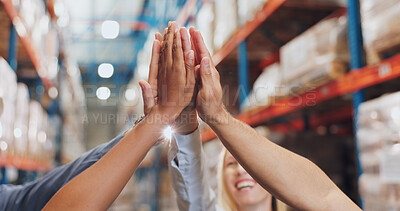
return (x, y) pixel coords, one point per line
(237, 190)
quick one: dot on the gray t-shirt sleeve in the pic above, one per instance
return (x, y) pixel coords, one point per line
(36, 194)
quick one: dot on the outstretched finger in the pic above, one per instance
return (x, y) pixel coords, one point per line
(148, 97)
(201, 45)
(185, 40)
(169, 42)
(153, 73)
(193, 45)
(159, 36)
(178, 53)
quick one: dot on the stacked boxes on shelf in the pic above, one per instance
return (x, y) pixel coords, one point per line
(380, 24)
(24, 132)
(42, 33)
(248, 9)
(315, 3)
(21, 119)
(205, 23)
(8, 88)
(40, 144)
(226, 21)
(318, 55)
(32, 13)
(266, 88)
(73, 105)
(379, 144)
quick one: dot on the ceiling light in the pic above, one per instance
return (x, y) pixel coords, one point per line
(130, 94)
(110, 29)
(53, 92)
(105, 70)
(103, 93)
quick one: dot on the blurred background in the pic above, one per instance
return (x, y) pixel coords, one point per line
(318, 77)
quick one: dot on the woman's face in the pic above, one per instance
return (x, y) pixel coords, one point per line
(242, 187)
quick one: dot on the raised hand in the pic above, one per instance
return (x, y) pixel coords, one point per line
(187, 121)
(149, 89)
(209, 97)
(175, 81)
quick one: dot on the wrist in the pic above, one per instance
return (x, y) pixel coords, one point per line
(219, 118)
(162, 116)
(186, 122)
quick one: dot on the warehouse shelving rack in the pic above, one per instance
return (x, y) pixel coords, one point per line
(351, 82)
(26, 41)
(26, 167)
(354, 82)
(361, 77)
(240, 35)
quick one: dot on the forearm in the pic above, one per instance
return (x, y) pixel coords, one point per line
(186, 122)
(292, 178)
(98, 186)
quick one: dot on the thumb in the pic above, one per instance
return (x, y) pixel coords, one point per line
(148, 98)
(205, 72)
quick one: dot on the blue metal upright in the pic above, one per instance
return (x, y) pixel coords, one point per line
(4, 179)
(357, 60)
(12, 48)
(243, 73)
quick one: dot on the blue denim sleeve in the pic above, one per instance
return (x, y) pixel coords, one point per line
(36, 194)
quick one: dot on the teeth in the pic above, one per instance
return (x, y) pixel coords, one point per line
(245, 184)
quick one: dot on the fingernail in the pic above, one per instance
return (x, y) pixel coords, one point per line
(169, 23)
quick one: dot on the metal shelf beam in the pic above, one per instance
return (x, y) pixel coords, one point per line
(242, 33)
(351, 82)
(26, 40)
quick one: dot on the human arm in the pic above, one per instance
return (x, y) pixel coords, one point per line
(35, 195)
(98, 186)
(288, 176)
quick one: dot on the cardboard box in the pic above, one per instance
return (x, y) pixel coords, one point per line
(318, 55)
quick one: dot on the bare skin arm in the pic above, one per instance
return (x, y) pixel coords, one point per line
(290, 177)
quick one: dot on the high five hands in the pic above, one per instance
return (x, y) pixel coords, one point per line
(183, 79)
